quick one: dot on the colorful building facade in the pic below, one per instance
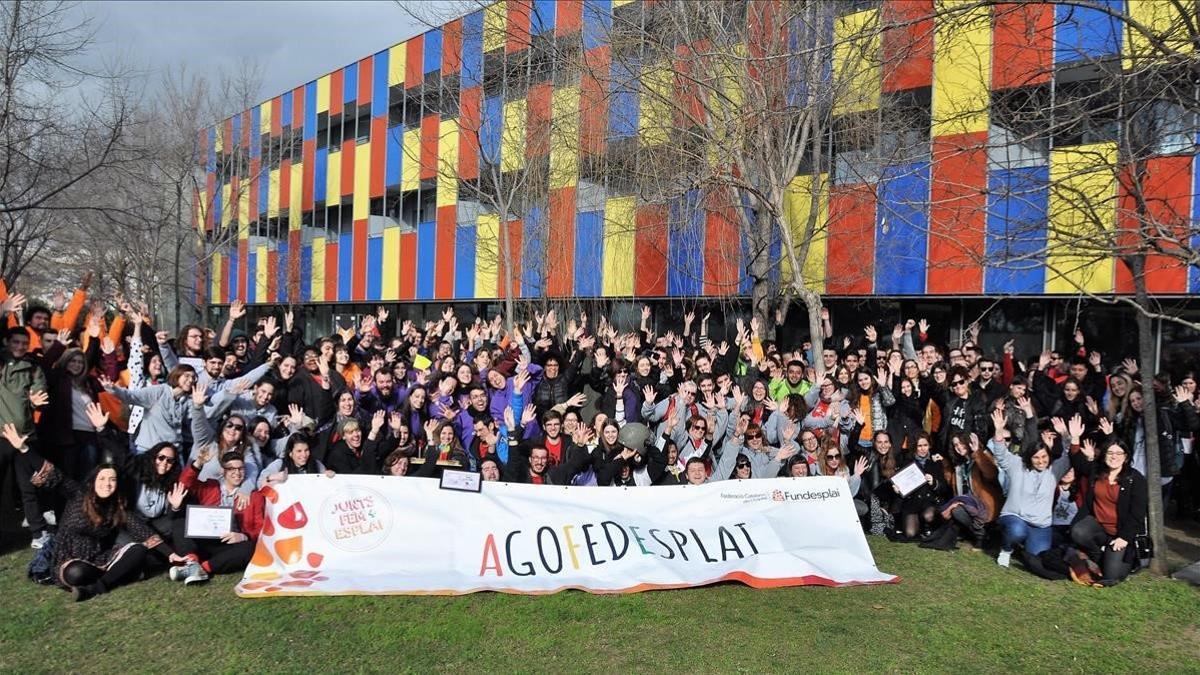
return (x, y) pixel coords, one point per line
(351, 188)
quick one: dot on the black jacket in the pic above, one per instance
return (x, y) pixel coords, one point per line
(1132, 499)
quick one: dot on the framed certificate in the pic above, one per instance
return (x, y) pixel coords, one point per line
(463, 481)
(909, 479)
(208, 522)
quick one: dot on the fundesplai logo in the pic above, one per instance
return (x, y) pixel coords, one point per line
(356, 519)
(805, 495)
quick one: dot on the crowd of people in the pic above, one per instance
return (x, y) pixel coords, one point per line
(110, 428)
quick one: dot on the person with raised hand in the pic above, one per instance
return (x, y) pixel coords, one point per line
(1026, 517)
(1114, 511)
(89, 556)
(231, 553)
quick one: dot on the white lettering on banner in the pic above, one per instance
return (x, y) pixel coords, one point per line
(385, 535)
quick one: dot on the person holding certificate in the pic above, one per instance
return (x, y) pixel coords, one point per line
(918, 504)
(219, 537)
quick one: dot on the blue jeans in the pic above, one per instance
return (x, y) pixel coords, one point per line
(1015, 531)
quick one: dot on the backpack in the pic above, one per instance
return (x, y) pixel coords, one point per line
(41, 568)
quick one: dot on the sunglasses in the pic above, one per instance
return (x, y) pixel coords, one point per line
(699, 428)
(987, 369)
(743, 465)
(833, 456)
(958, 382)
(234, 425)
(751, 437)
(165, 458)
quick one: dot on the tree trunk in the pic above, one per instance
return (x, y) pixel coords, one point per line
(812, 302)
(762, 300)
(1158, 564)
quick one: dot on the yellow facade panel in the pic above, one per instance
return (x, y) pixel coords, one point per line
(318, 269)
(962, 67)
(856, 62)
(1082, 214)
(410, 164)
(362, 181)
(487, 248)
(512, 135)
(619, 225)
(447, 170)
(798, 209)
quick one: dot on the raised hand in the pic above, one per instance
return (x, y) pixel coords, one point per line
(1059, 425)
(1106, 426)
(39, 398)
(1092, 406)
(1075, 427)
(17, 441)
(377, 421)
(860, 466)
(923, 327)
(107, 346)
(64, 337)
(529, 414)
(198, 396)
(998, 422)
(1026, 405)
(649, 393)
(176, 496)
(1010, 347)
(430, 428)
(237, 309)
(577, 401)
(12, 304)
(1182, 395)
(871, 334)
(1088, 448)
(96, 415)
(271, 327)
(1130, 366)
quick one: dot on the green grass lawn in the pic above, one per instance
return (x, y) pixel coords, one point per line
(952, 611)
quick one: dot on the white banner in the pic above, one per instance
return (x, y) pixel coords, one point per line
(383, 535)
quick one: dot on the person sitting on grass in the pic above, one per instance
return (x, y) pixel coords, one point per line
(232, 552)
(88, 560)
(1028, 509)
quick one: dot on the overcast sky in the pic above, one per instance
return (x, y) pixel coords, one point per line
(294, 42)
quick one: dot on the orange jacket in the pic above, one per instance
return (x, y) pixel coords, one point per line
(67, 319)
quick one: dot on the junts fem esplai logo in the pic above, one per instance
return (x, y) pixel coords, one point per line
(356, 519)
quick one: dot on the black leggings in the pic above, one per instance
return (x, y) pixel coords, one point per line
(17, 468)
(124, 568)
(1091, 538)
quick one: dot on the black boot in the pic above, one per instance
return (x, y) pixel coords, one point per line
(82, 593)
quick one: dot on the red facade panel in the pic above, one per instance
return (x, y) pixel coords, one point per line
(443, 281)
(560, 249)
(1166, 193)
(957, 214)
(907, 44)
(1022, 44)
(851, 267)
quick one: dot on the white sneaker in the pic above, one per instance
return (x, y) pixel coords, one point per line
(181, 572)
(198, 575)
(50, 519)
(1004, 557)
(40, 541)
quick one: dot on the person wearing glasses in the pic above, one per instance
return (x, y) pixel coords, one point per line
(1114, 511)
(232, 552)
(829, 463)
(233, 436)
(988, 385)
(756, 459)
(963, 410)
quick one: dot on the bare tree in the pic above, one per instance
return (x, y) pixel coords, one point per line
(52, 146)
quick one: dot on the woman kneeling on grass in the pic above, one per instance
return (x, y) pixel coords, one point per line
(1114, 511)
(1028, 510)
(87, 558)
